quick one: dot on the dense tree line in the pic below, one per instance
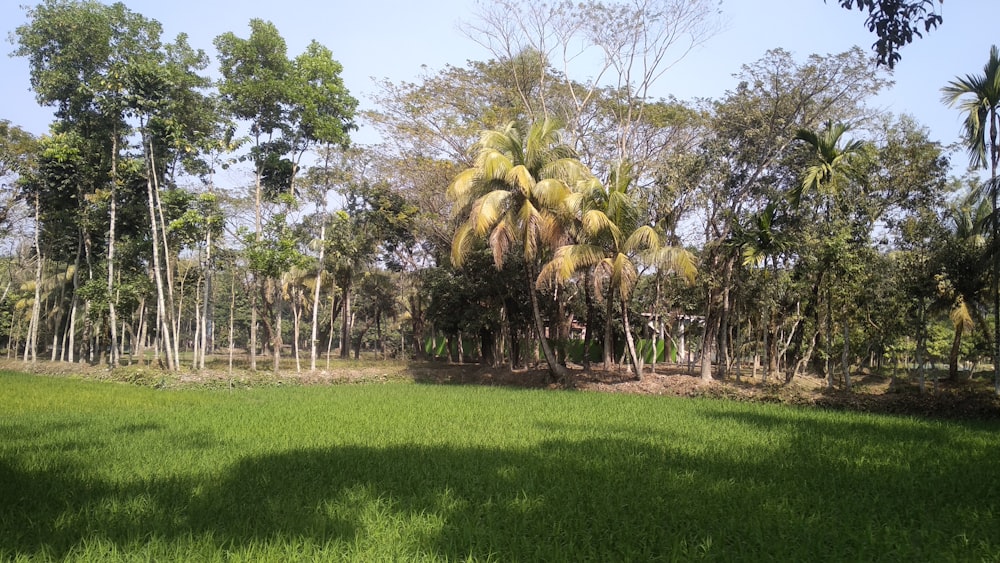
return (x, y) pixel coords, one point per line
(514, 213)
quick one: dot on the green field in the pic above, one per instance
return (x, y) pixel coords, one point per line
(404, 472)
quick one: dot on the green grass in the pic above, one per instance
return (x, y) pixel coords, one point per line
(405, 472)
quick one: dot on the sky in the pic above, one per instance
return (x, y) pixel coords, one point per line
(376, 39)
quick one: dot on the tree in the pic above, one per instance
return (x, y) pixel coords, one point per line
(824, 175)
(84, 74)
(895, 22)
(962, 280)
(747, 158)
(514, 197)
(612, 240)
(978, 97)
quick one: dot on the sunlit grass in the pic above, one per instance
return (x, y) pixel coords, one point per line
(379, 472)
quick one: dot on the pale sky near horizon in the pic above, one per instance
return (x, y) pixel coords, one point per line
(393, 39)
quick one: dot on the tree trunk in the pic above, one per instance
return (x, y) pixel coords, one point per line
(588, 334)
(722, 366)
(557, 372)
(953, 355)
(276, 334)
(296, 333)
(254, 297)
(630, 342)
(609, 341)
(162, 316)
(845, 358)
(207, 339)
(995, 286)
(316, 291)
(345, 327)
(232, 316)
(112, 316)
(708, 342)
(36, 306)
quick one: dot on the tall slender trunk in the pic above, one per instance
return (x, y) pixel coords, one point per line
(31, 343)
(845, 358)
(654, 316)
(609, 341)
(556, 370)
(70, 354)
(112, 315)
(297, 320)
(345, 327)
(196, 352)
(206, 312)
(709, 340)
(505, 333)
(630, 342)
(315, 311)
(232, 316)
(329, 339)
(163, 322)
(829, 337)
(588, 335)
(994, 161)
(254, 298)
(276, 336)
(722, 367)
(140, 340)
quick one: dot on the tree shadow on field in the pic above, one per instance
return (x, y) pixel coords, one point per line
(603, 498)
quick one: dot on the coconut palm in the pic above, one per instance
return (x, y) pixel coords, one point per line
(611, 241)
(825, 175)
(514, 198)
(978, 96)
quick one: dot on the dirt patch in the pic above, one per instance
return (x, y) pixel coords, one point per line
(973, 400)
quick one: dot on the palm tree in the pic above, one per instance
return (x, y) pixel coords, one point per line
(514, 196)
(824, 175)
(963, 284)
(978, 96)
(610, 241)
(759, 242)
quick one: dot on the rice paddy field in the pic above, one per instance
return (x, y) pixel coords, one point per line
(398, 471)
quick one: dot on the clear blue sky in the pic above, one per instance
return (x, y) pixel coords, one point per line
(392, 39)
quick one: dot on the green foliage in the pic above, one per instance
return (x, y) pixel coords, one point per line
(80, 53)
(254, 72)
(274, 251)
(895, 22)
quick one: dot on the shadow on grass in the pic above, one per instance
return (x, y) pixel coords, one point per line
(609, 498)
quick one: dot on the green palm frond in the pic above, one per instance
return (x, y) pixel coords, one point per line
(494, 165)
(461, 244)
(512, 202)
(519, 177)
(487, 211)
(567, 260)
(624, 275)
(677, 260)
(462, 187)
(978, 97)
(596, 222)
(567, 168)
(829, 158)
(643, 239)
